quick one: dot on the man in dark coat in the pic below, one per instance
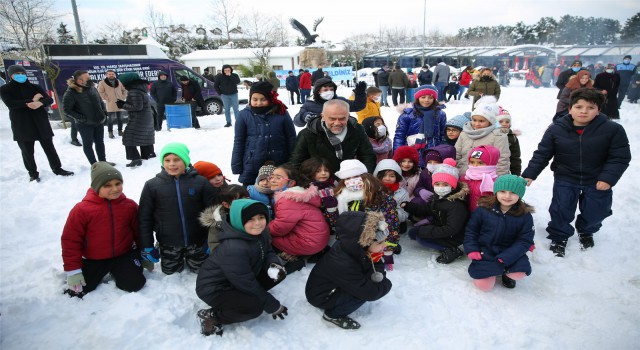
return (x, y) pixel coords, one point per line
(292, 86)
(563, 78)
(318, 74)
(609, 82)
(335, 136)
(139, 130)
(382, 81)
(30, 121)
(192, 94)
(426, 76)
(398, 82)
(226, 84)
(163, 92)
(82, 102)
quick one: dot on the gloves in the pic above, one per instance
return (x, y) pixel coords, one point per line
(281, 313)
(148, 265)
(76, 282)
(276, 272)
(397, 249)
(360, 88)
(150, 254)
(475, 256)
(120, 103)
(308, 116)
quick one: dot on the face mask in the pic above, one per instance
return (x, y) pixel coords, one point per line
(442, 191)
(431, 167)
(327, 95)
(375, 99)
(609, 71)
(20, 78)
(575, 69)
(382, 130)
(354, 184)
(485, 78)
(626, 61)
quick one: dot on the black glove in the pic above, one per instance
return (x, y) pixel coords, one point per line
(397, 249)
(120, 103)
(360, 88)
(308, 116)
(281, 313)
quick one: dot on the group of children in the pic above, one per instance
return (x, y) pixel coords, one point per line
(242, 241)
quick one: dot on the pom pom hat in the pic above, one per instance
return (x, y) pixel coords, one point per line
(446, 172)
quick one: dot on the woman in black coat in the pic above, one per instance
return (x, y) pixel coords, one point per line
(140, 129)
(609, 82)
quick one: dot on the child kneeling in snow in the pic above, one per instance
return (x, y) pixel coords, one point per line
(351, 273)
(236, 277)
(499, 234)
(100, 236)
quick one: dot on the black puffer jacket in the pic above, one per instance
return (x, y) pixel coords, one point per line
(139, 130)
(27, 124)
(226, 84)
(83, 104)
(235, 264)
(347, 267)
(159, 209)
(163, 91)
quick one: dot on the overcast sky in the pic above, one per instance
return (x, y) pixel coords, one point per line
(347, 17)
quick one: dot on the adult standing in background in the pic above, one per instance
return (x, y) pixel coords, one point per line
(426, 76)
(163, 92)
(609, 83)
(30, 121)
(208, 76)
(140, 128)
(398, 81)
(292, 86)
(226, 84)
(441, 78)
(305, 85)
(563, 78)
(318, 74)
(192, 94)
(626, 70)
(382, 80)
(112, 90)
(484, 85)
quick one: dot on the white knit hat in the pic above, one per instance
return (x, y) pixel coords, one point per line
(350, 168)
(486, 107)
(388, 164)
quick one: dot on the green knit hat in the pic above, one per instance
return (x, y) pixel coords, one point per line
(512, 183)
(101, 173)
(179, 149)
(243, 209)
(128, 78)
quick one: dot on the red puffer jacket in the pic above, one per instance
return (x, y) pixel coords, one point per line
(99, 229)
(299, 227)
(466, 78)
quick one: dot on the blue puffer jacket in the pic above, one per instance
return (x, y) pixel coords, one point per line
(498, 236)
(602, 153)
(258, 138)
(410, 123)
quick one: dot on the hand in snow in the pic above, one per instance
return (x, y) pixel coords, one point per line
(281, 313)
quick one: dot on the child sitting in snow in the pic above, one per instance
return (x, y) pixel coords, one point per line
(499, 234)
(482, 131)
(433, 156)
(100, 236)
(388, 172)
(235, 279)
(504, 118)
(408, 159)
(317, 171)
(170, 205)
(261, 190)
(351, 273)
(448, 212)
(212, 173)
(481, 173)
(378, 134)
(212, 216)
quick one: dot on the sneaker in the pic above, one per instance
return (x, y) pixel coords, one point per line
(227, 125)
(345, 322)
(111, 135)
(135, 163)
(586, 241)
(76, 143)
(208, 323)
(62, 172)
(508, 282)
(449, 255)
(557, 247)
(35, 178)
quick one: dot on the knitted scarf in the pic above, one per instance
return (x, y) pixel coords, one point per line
(477, 134)
(335, 139)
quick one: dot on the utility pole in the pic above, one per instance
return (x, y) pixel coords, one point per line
(77, 20)
(424, 29)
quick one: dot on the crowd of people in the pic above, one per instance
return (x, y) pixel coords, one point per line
(453, 184)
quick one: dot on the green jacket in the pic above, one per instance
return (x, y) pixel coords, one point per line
(487, 88)
(312, 141)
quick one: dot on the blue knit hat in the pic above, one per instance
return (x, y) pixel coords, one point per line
(459, 120)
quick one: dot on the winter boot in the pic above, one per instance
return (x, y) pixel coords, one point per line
(557, 247)
(119, 132)
(508, 282)
(76, 143)
(449, 255)
(208, 323)
(111, 136)
(227, 125)
(135, 163)
(586, 241)
(63, 172)
(345, 322)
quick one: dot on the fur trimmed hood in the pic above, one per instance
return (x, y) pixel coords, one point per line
(300, 194)
(357, 231)
(369, 227)
(211, 216)
(461, 193)
(72, 85)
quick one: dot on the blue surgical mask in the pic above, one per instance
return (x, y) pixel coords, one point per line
(576, 69)
(20, 78)
(626, 61)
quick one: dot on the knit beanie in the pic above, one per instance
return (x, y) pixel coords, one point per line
(15, 69)
(389, 164)
(406, 152)
(264, 172)
(262, 87)
(101, 173)
(611, 66)
(208, 170)
(446, 172)
(350, 168)
(179, 149)
(459, 120)
(433, 155)
(426, 90)
(486, 153)
(486, 107)
(503, 114)
(243, 209)
(128, 78)
(512, 183)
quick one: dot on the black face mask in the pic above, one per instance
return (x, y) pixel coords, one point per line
(485, 78)
(261, 110)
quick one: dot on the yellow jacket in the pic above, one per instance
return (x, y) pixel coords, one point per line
(372, 109)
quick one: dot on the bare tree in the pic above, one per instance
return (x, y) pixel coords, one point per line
(155, 21)
(28, 22)
(225, 17)
(356, 47)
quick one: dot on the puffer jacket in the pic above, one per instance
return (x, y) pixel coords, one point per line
(139, 130)
(83, 104)
(411, 121)
(299, 227)
(111, 93)
(487, 88)
(347, 268)
(495, 138)
(99, 229)
(497, 235)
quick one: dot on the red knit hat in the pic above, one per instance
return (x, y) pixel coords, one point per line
(426, 90)
(486, 153)
(208, 170)
(406, 152)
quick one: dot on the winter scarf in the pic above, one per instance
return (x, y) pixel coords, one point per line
(381, 148)
(485, 173)
(427, 120)
(346, 196)
(335, 139)
(477, 134)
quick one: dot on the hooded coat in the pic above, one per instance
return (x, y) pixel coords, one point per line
(163, 91)
(313, 107)
(347, 268)
(411, 122)
(139, 130)
(226, 84)
(27, 124)
(83, 104)
(112, 93)
(299, 227)
(611, 83)
(487, 88)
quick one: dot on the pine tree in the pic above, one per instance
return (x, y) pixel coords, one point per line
(630, 33)
(64, 36)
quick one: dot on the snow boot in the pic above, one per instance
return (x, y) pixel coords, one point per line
(76, 143)
(508, 282)
(135, 163)
(586, 241)
(345, 322)
(557, 247)
(208, 323)
(111, 136)
(449, 255)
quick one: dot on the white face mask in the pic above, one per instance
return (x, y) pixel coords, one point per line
(431, 167)
(376, 99)
(327, 95)
(382, 130)
(609, 71)
(354, 184)
(442, 191)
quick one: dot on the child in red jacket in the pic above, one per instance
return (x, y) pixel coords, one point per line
(100, 236)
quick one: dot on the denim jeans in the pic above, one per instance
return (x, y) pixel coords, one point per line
(230, 101)
(440, 86)
(92, 134)
(461, 91)
(385, 94)
(304, 94)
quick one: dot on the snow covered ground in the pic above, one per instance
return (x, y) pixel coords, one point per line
(588, 300)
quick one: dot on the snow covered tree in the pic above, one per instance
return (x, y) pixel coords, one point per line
(28, 23)
(630, 33)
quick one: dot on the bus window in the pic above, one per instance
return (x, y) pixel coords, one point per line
(191, 75)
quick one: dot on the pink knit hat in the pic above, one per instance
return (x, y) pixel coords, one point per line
(446, 172)
(486, 153)
(426, 90)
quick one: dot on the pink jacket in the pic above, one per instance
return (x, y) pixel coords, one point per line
(299, 227)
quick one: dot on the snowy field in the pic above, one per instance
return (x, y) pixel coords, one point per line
(588, 300)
